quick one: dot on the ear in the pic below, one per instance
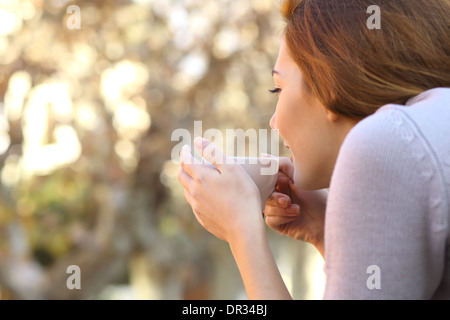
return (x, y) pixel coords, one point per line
(331, 116)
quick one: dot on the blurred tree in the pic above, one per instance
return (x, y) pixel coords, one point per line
(86, 118)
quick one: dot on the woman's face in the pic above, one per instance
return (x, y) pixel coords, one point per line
(312, 133)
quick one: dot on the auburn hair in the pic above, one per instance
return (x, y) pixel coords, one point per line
(353, 69)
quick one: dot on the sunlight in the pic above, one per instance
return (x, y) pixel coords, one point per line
(9, 22)
(131, 119)
(42, 159)
(121, 81)
(45, 150)
(18, 87)
(316, 270)
(5, 140)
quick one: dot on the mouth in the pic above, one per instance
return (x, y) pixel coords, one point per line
(292, 156)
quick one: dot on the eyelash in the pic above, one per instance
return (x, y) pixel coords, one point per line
(275, 91)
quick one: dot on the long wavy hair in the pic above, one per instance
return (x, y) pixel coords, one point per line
(353, 69)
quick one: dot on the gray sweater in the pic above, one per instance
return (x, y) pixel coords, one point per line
(388, 211)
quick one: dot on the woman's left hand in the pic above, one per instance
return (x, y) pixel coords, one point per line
(225, 201)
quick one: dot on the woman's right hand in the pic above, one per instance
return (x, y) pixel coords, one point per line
(296, 213)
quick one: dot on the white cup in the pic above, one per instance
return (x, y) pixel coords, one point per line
(262, 170)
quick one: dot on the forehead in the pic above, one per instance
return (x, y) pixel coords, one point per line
(285, 66)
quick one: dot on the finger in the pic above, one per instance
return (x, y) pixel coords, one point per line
(211, 153)
(275, 221)
(283, 188)
(189, 163)
(282, 178)
(292, 211)
(185, 179)
(278, 199)
(287, 167)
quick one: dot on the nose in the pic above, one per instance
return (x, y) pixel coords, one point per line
(273, 123)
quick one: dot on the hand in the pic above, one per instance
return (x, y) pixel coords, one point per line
(225, 200)
(296, 213)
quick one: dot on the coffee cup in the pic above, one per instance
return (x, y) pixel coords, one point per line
(262, 170)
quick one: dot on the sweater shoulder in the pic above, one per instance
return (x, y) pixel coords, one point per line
(422, 122)
(381, 136)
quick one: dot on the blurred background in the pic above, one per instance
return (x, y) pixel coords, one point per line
(89, 99)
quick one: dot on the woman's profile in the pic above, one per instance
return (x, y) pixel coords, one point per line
(365, 113)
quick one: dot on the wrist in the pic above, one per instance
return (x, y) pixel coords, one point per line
(246, 221)
(259, 272)
(248, 234)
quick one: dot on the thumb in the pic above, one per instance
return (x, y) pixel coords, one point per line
(210, 152)
(287, 168)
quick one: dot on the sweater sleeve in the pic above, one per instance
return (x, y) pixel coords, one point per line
(384, 230)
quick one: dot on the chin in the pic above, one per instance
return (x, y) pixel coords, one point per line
(308, 182)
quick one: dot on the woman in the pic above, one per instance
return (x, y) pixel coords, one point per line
(365, 113)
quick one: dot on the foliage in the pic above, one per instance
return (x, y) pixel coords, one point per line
(85, 136)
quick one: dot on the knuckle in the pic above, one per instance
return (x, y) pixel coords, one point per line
(271, 202)
(199, 178)
(267, 211)
(195, 194)
(182, 165)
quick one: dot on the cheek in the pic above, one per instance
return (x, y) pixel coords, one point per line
(287, 118)
(291, 129)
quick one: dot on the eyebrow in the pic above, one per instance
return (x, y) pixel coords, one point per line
(274, 71)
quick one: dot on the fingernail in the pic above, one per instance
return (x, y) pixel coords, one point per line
(283, 201)
(200, 142)
(293, 210)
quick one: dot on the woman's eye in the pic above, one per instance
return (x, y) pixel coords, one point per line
(276, 90)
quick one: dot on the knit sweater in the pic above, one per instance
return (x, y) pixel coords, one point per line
(388, 209)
